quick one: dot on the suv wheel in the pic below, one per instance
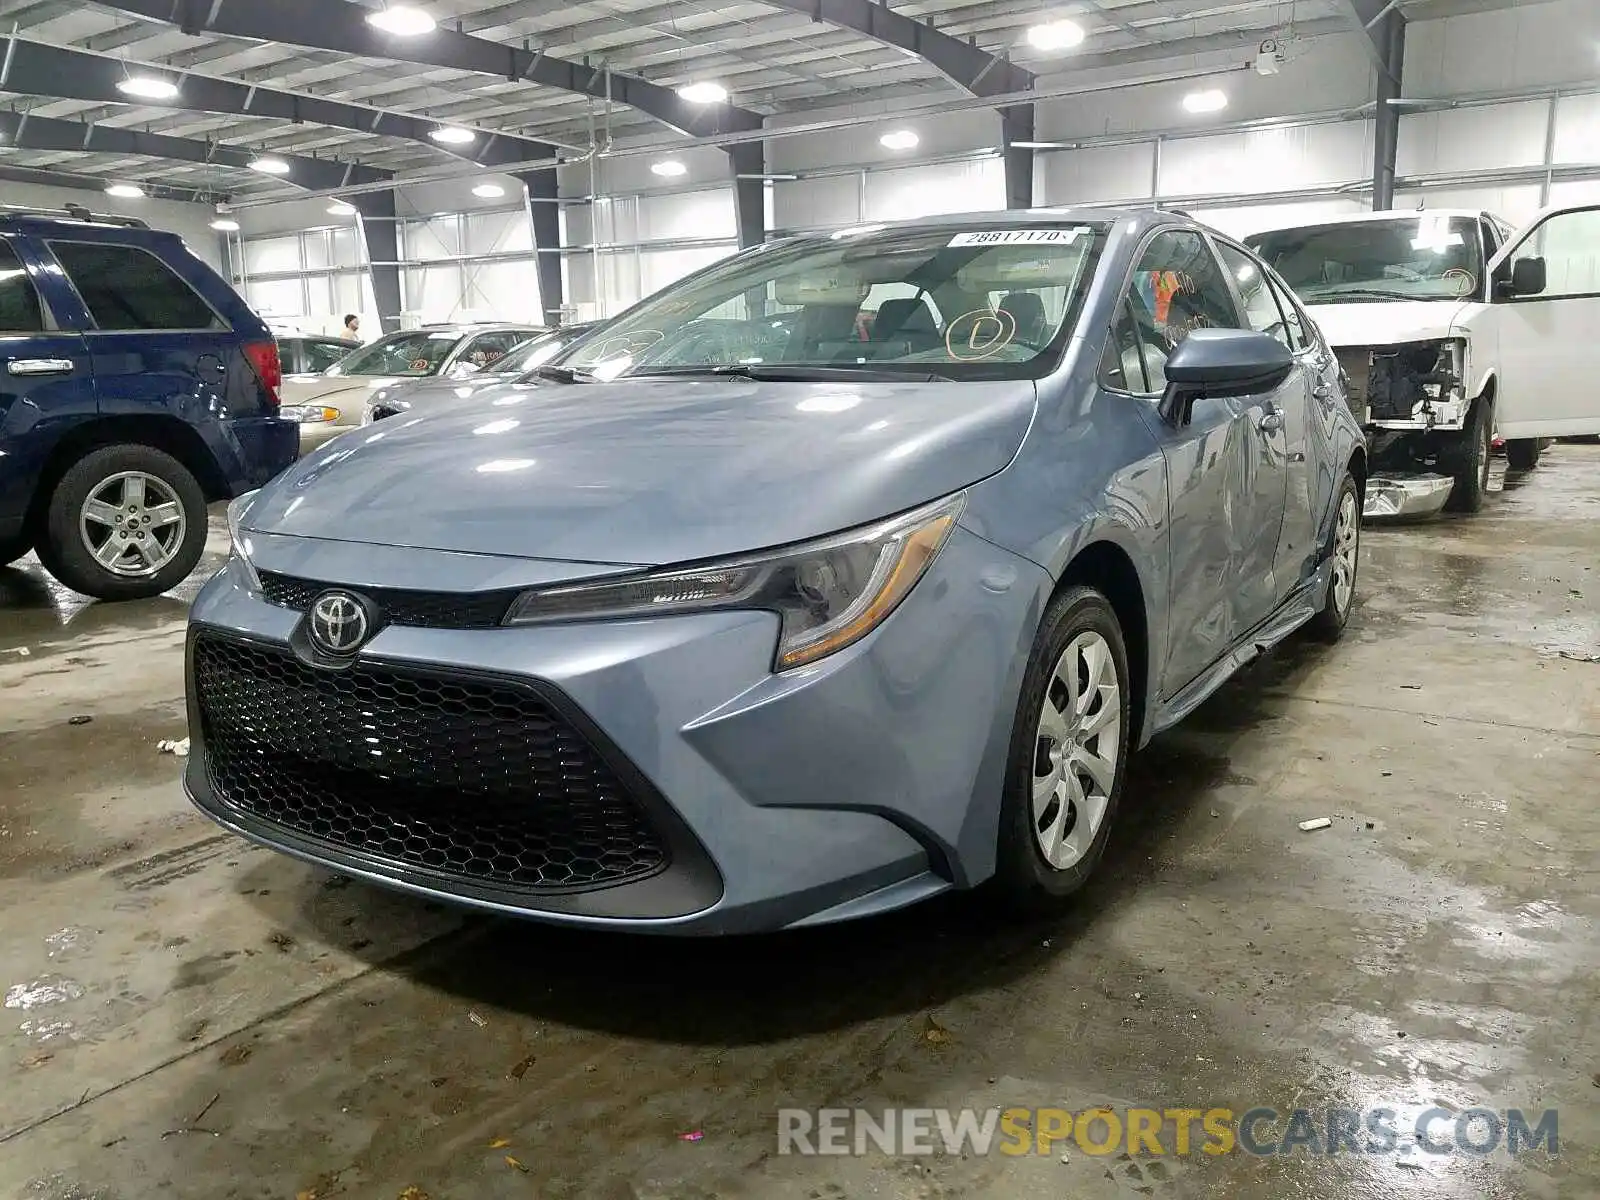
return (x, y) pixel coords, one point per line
(12, 549)
(1522, 454)
(1469, 460)
(1069, 752)
(125, 522)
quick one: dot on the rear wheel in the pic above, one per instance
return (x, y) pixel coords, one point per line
(14, 548)
(124, 522)
(1069, 752)
(1522, 454)
(1469, 460)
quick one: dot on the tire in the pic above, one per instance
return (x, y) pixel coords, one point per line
(1329, 624)
(12, 549)
(1522, 454)
(1079, 632)
(1469, 461)
(166, 537)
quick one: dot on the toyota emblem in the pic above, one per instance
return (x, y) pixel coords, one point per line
(339, 623)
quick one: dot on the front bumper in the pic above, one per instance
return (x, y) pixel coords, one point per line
(862, 783)
(1403, 496)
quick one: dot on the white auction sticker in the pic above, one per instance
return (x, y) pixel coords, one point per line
(1018, 237)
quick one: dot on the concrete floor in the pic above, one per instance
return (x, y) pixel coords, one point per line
(204, 1019)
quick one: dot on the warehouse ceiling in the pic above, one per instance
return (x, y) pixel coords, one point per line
(774, 58)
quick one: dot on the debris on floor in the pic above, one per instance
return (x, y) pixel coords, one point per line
(283, 941)
(476, 1019)
(80, 719)
(180, 748)
(413, 1193)
(935, 1033)
(235, 1055)
(499, 1143)
(1315, 823)
(693, 1136)
(521, 1069)
(511, 1162)
(1574, 656)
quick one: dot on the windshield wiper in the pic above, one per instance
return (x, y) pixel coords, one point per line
(565, 375)
(779, 373)
(1367, 294)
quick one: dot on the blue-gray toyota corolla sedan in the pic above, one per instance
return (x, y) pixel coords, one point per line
(844, 572)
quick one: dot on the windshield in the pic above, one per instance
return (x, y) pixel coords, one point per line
(531, 354)
(1417, 257)
(958, 302)
(407, 355)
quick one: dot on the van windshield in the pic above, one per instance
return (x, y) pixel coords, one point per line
(1420, 256)
(957, 302)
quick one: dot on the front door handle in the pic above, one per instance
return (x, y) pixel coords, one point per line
(1270, 423)
(39, 366)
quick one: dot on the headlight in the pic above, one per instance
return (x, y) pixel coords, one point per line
(309, 414)
(237, 538)
(828, 594)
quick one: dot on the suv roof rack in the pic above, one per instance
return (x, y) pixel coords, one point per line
(71, 212)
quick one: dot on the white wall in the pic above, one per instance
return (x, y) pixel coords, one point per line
(192, 222)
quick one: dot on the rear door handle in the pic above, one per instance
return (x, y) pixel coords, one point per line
(1270, 423)
(39, 366)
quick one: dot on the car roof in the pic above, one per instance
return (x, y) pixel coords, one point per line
(1369, 218)
(1043, 218)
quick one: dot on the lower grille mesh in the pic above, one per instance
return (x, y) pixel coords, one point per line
(454, 777)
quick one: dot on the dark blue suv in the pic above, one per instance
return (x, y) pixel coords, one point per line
(135, 388)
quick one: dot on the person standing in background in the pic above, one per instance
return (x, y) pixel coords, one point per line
(352, 327)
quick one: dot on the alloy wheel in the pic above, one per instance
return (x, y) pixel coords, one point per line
(133, 524)
(1346, 552)
(1077, 747)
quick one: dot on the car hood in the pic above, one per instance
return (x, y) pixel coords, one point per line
(332, 389)
(649, 471)
(1386, 322)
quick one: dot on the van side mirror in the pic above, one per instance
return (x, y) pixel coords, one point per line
(1529, 277)
(1221, 362)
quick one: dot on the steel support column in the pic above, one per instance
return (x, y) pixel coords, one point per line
(380, 229)
(1016, 125)
(1390, 38)
(749, 162)
(544, 217)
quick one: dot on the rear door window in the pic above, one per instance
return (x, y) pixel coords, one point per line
(1261, 309)
(126, 288)
(20, 311)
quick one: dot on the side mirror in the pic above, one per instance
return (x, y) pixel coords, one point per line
(1529, 277)
(1221, 362)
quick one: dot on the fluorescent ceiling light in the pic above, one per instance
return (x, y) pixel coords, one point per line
(268, 165)
(1055, 35)
(1214, 100)
(452, 135)
(899, 139)
(488, 191)
(1041, 145)
(402, 20)
(225, 225)
(669, 168)
(125, 191)
(147, 87)
(340, 209)
(704, 92)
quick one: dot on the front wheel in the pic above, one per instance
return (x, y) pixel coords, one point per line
(1069, 752)
(1469, 460)
(1328, 625)
(1522, 454)
(124, 522)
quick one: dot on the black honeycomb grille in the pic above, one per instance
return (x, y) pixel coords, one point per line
(459, 778)
(430, 610)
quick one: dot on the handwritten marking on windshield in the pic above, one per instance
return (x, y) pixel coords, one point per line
(986, 333)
